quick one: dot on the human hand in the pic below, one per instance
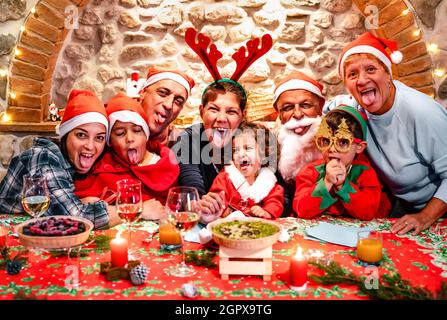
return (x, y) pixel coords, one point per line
(257, 211)
(212, 206)
(152, 210)
(88, 200)
(335, 174)
(417, 222)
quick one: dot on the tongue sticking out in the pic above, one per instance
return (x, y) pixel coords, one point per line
(132, 156)
(86, 162)
(369, 97)
(218, 138)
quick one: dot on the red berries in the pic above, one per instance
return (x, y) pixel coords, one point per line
(54, 227)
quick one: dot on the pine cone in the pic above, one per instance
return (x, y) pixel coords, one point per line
(13, 267)
(138, 274)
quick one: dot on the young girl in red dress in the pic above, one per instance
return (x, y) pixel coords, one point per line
(248, 182)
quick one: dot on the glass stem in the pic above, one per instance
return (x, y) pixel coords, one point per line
(183, 248)
(129, 228)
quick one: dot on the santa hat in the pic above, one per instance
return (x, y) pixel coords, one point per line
(82, 107)
(154, 75)
(368, 43)
(126, 109)
(295, 81)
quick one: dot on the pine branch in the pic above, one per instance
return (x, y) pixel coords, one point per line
(391, 287)
(204, 259)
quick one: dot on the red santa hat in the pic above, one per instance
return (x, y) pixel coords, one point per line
(126, 109)
(295, 81)
(82, 107)
(154, 75)
(369, 43)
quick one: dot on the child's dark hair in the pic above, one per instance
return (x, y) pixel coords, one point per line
(333, 119)
(266, 141)
(222, 87)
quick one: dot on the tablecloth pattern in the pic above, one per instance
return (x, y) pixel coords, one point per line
(421, 259)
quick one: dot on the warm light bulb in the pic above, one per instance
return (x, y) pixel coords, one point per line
(22, 28)
(4, 117)
(432, 47)
(17, 51)
(439, 72)
(12, 95)
(33, 10)
(417, 33)
(405, 12)
(3, 73)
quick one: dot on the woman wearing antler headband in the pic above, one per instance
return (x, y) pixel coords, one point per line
(406, 132)
(204, 148)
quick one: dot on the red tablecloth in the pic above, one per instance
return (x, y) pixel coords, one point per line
(421, 259)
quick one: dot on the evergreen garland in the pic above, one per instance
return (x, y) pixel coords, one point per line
(201, 259)
(391, 287)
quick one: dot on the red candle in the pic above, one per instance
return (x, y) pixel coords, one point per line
(118, 251)
(3, 234)
(298, 270)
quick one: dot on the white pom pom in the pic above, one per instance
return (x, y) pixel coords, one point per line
(396, 57)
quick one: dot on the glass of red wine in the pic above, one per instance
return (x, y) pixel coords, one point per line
(183, 210)
(129, 205)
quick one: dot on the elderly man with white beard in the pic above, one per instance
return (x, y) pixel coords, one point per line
(299, 101)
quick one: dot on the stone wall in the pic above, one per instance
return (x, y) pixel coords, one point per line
(115, 37)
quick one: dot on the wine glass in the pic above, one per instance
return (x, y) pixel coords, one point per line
(35, 195)
(183, 209)
(129, 205)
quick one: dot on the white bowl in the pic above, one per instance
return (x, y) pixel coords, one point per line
(54, 242)
(245, 244)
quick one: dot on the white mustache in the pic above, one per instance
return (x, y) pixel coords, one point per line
(304, 122)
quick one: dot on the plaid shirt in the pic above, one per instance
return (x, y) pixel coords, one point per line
(46, 158)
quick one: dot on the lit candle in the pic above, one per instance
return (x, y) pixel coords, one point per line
(298, 270)
(3, 234)
(118, 251)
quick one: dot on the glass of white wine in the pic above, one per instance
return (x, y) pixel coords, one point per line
(129, 205)
(183, 209)
(35, 195)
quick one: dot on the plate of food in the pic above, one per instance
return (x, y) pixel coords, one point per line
(54, 232)
(245, 233)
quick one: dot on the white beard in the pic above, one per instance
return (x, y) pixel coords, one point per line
(297, 150)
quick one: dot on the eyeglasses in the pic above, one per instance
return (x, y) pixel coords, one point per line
(341, 144)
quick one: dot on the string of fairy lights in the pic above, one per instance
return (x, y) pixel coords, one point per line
(432, 48)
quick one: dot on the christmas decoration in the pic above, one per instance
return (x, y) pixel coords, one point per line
(392, 287)
(201, 258)
(138, 274)
(54, 112)
(13, 266)
(116, 273)
(189, 290)
(134, 85)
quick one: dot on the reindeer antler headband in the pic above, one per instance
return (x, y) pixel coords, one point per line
(211, 56)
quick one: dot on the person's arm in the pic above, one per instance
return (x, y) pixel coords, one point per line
(311, 196)
(273, 203)
(188, 155)
(360, 194)
(431, 146)
(420, 221)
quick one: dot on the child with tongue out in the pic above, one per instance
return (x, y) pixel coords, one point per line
(343, 182)
(131, 156)
(248, 183)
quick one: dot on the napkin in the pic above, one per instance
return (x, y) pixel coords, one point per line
(334, 233)
(193, 234)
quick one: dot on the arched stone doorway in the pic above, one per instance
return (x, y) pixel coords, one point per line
(31, 70)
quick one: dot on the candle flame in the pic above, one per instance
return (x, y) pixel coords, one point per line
(118, 235)
(299, 254)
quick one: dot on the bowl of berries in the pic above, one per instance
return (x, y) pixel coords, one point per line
(54, 232)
